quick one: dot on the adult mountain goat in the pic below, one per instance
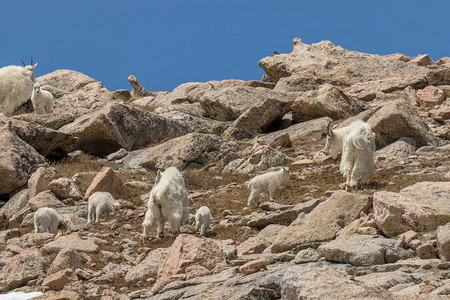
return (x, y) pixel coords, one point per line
(357, 144)
(16, 86)
(167, 201)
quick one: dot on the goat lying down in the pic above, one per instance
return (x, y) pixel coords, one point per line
(167, 201)
(357, 144)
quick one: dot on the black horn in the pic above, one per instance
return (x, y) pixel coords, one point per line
(329, 128)
(31, 61)
(23, 63)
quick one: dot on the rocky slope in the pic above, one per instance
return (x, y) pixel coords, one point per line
(317, 241)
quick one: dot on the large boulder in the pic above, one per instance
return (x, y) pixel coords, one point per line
(322, 282)
(227, 104)
(148, 267)
(191, 151)
(40, 180)
(399, 119)
(66, 80)
(21, 268)
(107, 181)
(261, 241)
(84, 100)
(325, 62)
(16, 160)
(327, 101)
(71, 241)
(52, 120)
(402, 148)
(48, 142)
(258, 117)
(323, 222)
(188, 254)
(121, 126)
(15, 204)
(65, 188)
(443, 242)
(421, 207)
(363, 250)
(44, 199)
(430, 96)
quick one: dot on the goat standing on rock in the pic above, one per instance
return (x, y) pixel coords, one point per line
(203, 220)
(42, 100)
(267, 182)
(16, 86)
(357, 144)
(46, 219)
(167, 201)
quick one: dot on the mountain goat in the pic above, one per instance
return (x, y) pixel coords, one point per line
(203, 219)
(167, 201)
(16, 86)
(101, 203)
(42, 100)
(46, 219)
(357, 144)
(269, 181)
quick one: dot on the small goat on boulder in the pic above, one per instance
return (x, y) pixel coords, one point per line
(357, 144)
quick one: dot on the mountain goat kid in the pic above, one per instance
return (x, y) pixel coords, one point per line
(269, 181)
(167, 201)
(42, 100)
(101, 203)
(357, 144)
(46, 219)
(16, 86)
(203, 220)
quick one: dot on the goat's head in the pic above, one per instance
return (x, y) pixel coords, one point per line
(286, 173)
(331, 144)
(37, 88)
(31, 67)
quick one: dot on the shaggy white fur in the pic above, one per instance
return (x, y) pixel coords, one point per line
(101, 203)
(16, 86)
(42, 100)
(357, 144)
(269, 182)
(167, 201)
(203, 220)
(46, 219)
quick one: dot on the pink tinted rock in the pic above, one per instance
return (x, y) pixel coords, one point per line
(107, 181)
(186, 251)
(196, 271)
(422, 60)
(414, 244)
(443, 242)
(66, 258)
(65, 188)
(58, 280)
(40, 179)
(117, 155)
(44, 199)
(426, 251)
(430, 96)
(254, 266)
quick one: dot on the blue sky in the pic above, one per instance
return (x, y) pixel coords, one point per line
(167, 43)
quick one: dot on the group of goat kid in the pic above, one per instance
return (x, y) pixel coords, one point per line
(168, 200)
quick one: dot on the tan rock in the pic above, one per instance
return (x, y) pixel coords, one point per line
(58, 280)
(327, 101)
(66, 80)
(323, 223)
(71, 241)
(107, 181)
(59, 295)
(186, 251)
(16, 158)
(66, 258)
(443, 242)
(254, 266)
(282, 140)
(421, 207)
(426, 251)
(261, 241)
(44, 199)
(148, 267)
(15, 204)
(65, 188)
(430, 96)
(422, 60)
(117, 155)
(40, 179)
(404, 118)
(410, 95)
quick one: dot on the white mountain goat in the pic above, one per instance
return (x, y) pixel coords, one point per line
(269, 182)
(203, 220)
(357, 144)
(42, 100)
(46, 219)
(101, 203)
(167, 201)
(16, 86)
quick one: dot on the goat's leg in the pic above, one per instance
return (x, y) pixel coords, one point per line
(271, 192)
(253, 196)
